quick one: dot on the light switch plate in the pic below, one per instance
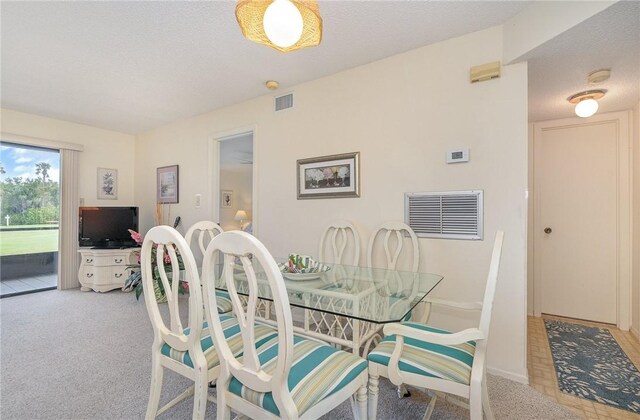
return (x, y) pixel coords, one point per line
(458, 156)
(198, 200)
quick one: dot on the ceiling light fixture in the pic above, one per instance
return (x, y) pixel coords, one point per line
(285, 25)
(586, 102)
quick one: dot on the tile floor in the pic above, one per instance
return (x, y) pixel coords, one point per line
(24, 284)
(542, 375)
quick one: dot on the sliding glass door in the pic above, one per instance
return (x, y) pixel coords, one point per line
(29, 216)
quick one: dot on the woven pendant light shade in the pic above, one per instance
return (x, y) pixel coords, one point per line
(250, 16)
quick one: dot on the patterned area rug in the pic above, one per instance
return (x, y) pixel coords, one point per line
(590, 364)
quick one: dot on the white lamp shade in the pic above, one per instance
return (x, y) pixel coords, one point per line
(586, 108)
(283, 23)
(241, 215)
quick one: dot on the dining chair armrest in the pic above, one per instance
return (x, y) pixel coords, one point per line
(470, 334)
(453, 304)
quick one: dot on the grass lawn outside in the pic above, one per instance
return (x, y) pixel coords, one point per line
(19, 242)
(14, 227)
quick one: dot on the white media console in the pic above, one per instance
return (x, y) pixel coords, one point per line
(102, 270)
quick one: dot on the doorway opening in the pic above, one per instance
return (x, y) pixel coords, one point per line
(235, 177)
(581, 228)
(29, 215)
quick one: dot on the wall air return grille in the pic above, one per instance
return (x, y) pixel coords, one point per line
(445, 215)
(284, 102)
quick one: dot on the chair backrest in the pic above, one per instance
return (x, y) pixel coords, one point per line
(490, 288)
(385, 231)
(479, 367)
(205, 231)
(340, 236)
(240, 246)
(160, 250)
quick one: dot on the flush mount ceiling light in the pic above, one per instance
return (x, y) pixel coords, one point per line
(586, 102)
(285, 25)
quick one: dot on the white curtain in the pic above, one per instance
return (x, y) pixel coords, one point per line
(69, 201)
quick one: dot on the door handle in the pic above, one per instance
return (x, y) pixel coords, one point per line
(547, 230)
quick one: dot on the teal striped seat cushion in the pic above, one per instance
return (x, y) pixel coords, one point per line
(223, 302)
(231, 333)
(451, 362)
(318, 371)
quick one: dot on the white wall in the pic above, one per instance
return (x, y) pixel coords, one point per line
(530, 223)
(102, 149)
(402, 114)
(635, 321)
(239, 179)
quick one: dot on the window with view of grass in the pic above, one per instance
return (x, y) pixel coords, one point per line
(29, 217)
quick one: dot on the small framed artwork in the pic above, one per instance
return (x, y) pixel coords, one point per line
(107, 184)
(226, 198)
(334, 176)
(167, 184)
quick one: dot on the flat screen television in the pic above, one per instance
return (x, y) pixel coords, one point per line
(107, 227)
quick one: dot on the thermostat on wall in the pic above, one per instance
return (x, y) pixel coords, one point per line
(457, 156)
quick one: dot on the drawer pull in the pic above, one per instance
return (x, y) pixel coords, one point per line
(89, 260)
(89, 275)
(118, 260)
(118, 275)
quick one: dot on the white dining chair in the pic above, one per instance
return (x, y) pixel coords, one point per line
(425, 357)
(186, 351)
(383, 235)
(204, 231)
(398, 244)
(174, 347)
(340, 244)
(286, 377)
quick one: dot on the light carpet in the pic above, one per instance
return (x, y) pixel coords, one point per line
(77, 355)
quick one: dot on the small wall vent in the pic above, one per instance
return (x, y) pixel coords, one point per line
(445, 215)
(284, 102)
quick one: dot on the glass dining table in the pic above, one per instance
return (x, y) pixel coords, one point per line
(345, 305)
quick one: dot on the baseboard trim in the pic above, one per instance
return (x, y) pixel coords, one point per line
(523, 379)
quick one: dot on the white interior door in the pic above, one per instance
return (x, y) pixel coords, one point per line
(575, 226)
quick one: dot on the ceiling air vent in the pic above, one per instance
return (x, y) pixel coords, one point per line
(445, 215)
(284, 102)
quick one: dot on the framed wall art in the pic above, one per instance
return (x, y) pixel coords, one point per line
(334, 176)
(107, 184)
(167, 185)
(226, 198)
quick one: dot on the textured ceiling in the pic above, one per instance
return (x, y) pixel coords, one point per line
(133, 66)
(559, 68)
